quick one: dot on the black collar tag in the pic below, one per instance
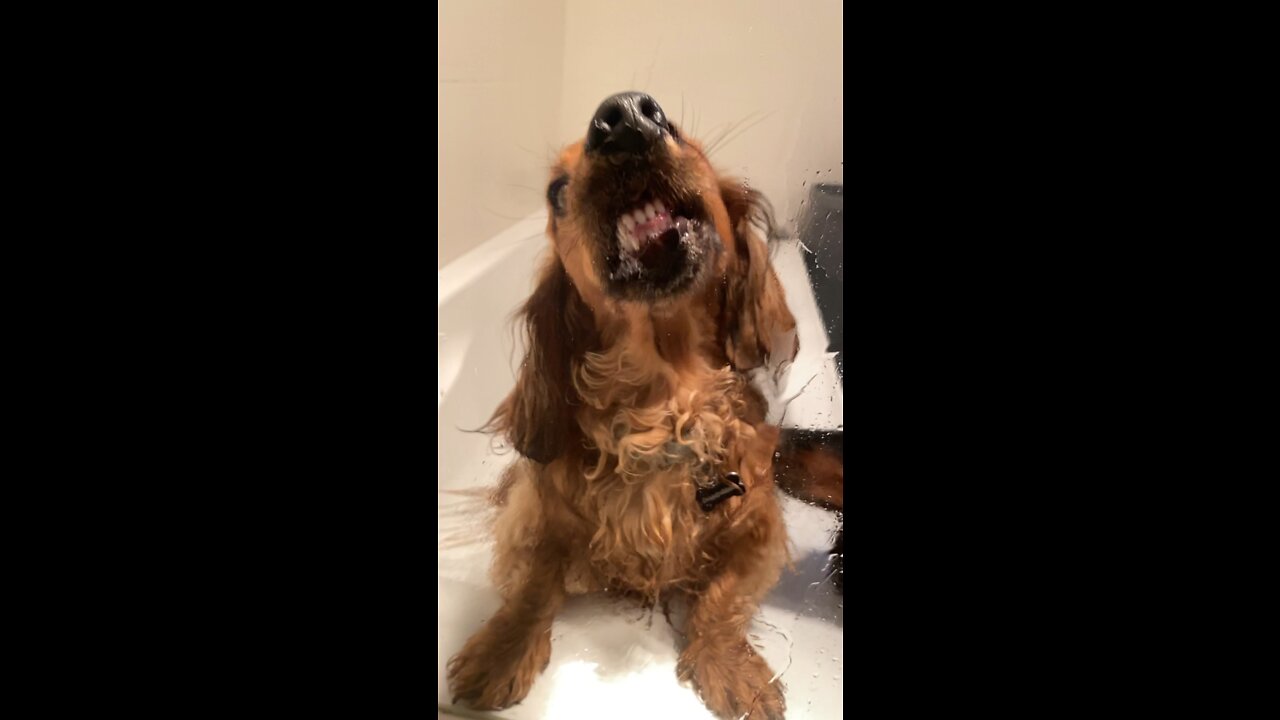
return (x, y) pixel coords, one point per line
(710, 497)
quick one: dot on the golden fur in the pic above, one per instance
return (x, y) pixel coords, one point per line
(620, 409)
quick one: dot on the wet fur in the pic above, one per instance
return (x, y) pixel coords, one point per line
(621, 406)
(809, 465)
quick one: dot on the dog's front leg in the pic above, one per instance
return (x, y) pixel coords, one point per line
(498, 665)
(731, 677)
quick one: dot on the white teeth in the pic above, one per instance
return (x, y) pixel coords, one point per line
(627, 239)
(644, 214)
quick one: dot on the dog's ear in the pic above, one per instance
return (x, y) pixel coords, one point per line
(537, 418)
(756, 326)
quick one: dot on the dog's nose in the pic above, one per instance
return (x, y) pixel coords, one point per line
(626, 123)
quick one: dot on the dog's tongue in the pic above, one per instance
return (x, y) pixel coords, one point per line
(656, 249)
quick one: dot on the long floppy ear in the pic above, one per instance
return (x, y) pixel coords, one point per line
(756, 325)
(537, 418)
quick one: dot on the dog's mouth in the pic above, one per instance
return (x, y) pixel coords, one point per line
(660, 248)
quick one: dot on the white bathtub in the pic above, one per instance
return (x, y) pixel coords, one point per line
(610, 660)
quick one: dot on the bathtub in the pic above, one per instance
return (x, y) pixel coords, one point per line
(610, 659)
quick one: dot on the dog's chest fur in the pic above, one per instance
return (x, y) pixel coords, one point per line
(653, 435)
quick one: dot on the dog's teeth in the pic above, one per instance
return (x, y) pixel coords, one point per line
(639, 216)
(626, 238)
(648, 211)
(628, 222)
(659, 208)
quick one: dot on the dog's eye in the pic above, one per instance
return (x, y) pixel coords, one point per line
(555, 194)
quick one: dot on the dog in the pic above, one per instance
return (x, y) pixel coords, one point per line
(646, 462)
(809, 465)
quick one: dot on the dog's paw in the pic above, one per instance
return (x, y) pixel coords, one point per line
(492, 673)
(734, 688)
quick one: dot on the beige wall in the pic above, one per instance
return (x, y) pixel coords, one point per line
(776, 63)
(500, 65)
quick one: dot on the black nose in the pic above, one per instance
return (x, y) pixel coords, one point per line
(626, 123)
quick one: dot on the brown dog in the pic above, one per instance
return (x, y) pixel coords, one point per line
(809, 465)
(647, 464)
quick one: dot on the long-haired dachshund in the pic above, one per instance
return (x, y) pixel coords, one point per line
(647, 463)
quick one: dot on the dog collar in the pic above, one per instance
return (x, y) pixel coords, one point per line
(730, 485)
